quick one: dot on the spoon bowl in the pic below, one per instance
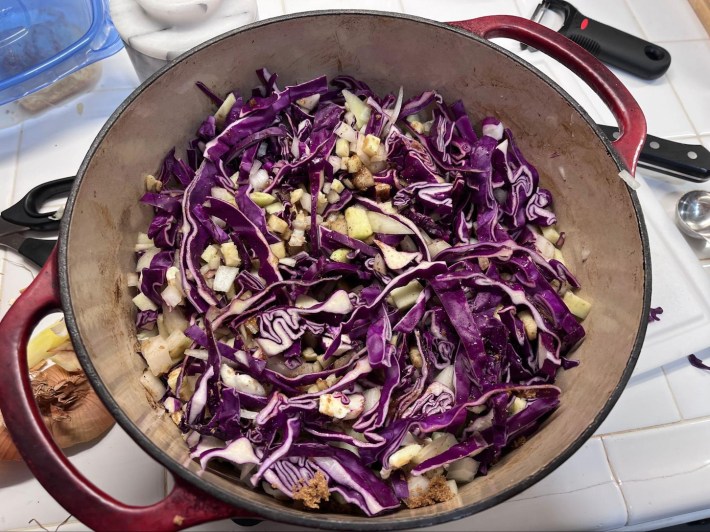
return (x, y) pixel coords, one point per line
(693, 214)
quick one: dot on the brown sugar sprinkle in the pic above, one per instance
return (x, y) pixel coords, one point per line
(437, 491)
(312, 492)
(527, 394)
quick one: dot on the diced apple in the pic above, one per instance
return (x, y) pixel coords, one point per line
(342, 148)
(551, 233)
(528, 324)
(358, 223)
(371, 145)
(381, 223)
(340, 255)
(576, 305)
(262, 199)
(405, 296)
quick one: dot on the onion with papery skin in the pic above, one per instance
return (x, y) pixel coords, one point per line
(8, 451)
(70, 408)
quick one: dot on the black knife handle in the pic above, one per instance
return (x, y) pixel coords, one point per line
(690, 162)
(617, 48)
(36, 250)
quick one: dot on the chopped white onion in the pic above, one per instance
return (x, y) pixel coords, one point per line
(393, 115)
(177, 342)
(262, 150)
(288, 261)
(172, 296)
(309, 102)
(344, 131)
(372, 397)
(417, 485)
(446, 377)
(153, 385)
(174, 319)
(202, 354)
(394, 258)
(295, 150)
(241, 382)
(145, 259)
(435, 448)
(260, 180)
(463, 470)
(306, 202)
(404, 455)
(143, 303)
(304, 301)
(156, 354)
(224, 278)
(255, 167)
(335, 161)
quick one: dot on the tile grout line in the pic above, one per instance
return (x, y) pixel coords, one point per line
(677, 95)
(617, 479)
(11, 192)
(669, 81)
(701, 39)
(682, 104)
(681, 421)
(675, 400)
(633, 14)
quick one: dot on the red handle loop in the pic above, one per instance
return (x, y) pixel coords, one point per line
(632, 123)
(184, 506)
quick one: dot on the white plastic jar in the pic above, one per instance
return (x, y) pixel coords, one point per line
(157, 31)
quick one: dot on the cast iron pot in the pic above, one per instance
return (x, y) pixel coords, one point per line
(86, 277)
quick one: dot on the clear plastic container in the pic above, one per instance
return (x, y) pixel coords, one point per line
(42, 42)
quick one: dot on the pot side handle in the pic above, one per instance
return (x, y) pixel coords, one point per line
(183, 507)
(628, 113)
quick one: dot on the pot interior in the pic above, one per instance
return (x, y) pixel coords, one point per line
(594, 207)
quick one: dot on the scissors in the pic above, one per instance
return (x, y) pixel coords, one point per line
(24, 216)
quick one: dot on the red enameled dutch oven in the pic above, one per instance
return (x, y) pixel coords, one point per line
(86, 276)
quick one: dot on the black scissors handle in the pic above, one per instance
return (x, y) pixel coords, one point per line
(37, 250)
(26, 213)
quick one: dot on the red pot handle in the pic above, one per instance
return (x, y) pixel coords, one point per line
(184, 506)
(632, 123)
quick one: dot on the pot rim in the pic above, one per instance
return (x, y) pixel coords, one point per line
(306, 518)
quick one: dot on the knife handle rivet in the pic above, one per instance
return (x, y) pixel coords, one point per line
(655, 145)
(692, 155)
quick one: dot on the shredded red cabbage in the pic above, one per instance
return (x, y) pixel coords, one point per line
(362, 286)
(654, 314)
(696, 362)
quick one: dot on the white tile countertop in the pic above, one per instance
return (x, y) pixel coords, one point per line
(649, 463)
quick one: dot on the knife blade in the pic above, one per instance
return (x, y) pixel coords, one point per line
(690, 162)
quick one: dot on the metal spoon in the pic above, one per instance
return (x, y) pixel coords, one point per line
(693, 214)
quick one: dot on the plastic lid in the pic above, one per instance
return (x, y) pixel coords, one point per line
(41, 42)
